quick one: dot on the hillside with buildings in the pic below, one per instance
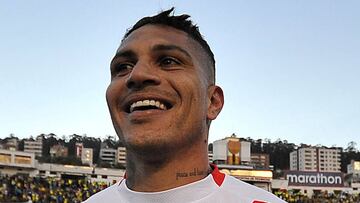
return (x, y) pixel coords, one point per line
(110, 152)
(273, 166)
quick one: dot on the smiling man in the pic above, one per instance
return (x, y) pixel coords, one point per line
(162, 99)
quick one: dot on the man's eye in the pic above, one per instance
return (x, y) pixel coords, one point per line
(169, 61)
(123, 68)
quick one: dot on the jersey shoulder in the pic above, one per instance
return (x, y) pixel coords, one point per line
(247, 192)
(107, 195)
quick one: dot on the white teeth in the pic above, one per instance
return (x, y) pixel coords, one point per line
(147, 102)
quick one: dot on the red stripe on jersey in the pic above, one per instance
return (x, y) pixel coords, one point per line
(217, 175)
(257, 201)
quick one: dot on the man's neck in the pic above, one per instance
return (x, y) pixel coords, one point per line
(181, 169)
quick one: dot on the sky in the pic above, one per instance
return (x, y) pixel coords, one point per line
(289, 69)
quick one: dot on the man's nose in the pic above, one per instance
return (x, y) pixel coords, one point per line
(142, 75)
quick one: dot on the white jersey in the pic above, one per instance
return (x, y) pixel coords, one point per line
(216, 187)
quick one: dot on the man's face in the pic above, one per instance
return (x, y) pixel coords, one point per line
(158, 96)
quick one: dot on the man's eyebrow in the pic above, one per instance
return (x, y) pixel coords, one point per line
(162, 47)
(124, 54)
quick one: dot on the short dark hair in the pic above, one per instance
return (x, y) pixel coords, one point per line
(182, 23)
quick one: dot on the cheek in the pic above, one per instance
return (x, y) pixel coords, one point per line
(113, 94)
(111, 99)
(109, 95)
(198, 100)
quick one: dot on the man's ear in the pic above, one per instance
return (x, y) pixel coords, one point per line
(216, 102)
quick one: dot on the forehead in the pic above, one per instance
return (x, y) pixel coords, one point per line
(152, 35)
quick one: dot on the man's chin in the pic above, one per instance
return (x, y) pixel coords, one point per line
(154, 149)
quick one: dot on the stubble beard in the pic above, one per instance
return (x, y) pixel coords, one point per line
(162, 146)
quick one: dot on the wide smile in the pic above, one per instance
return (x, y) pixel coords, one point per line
(145, 104)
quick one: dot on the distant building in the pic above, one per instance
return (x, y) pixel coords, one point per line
(11, 161)
(232, 156)
(210, 156)
(314, 169)
(78, 149)
(232, 151)
(353, 175)
(108, 155)
(353, 167)
(320, 159)
(59, 171)
(210, 153)
(24, 163)
(121, 156)
(11, 143)
(87, 156)
(59, 151)
(260, 160)
(34, 146)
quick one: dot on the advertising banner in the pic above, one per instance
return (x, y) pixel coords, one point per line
(319, 179)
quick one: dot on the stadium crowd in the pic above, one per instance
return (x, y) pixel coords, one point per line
(46, 190)
(322, 197)
(53, 190)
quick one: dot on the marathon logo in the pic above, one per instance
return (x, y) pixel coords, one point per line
(322, 179)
